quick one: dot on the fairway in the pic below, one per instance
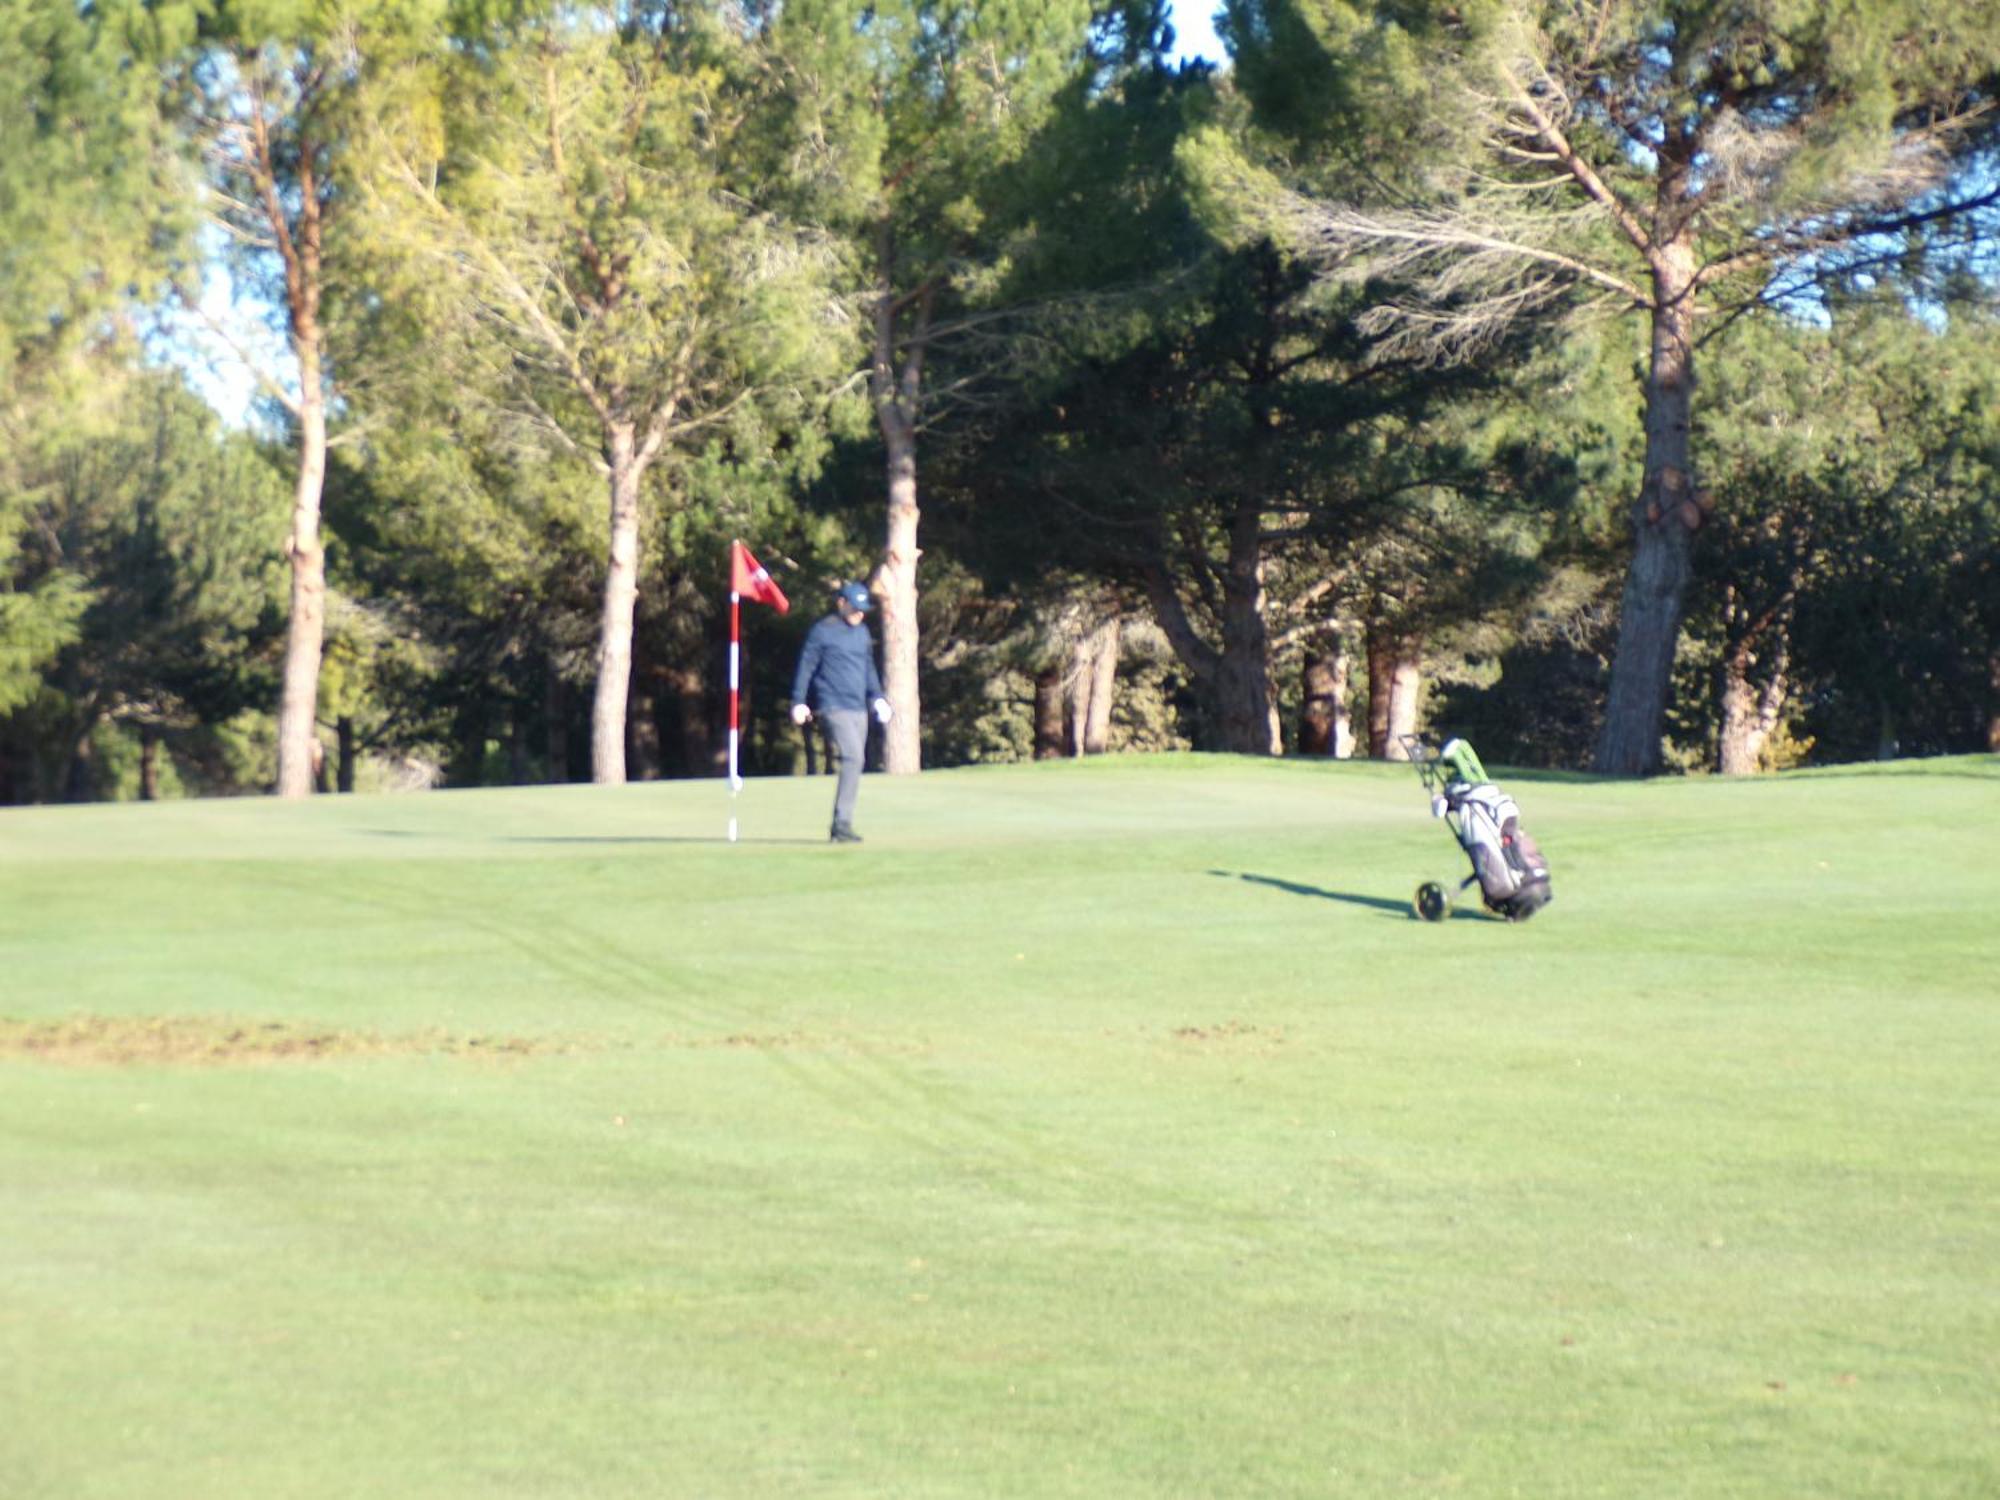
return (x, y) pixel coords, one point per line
(1095, 1129)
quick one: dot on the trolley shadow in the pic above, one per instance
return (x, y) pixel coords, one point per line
(1381, 904)
(593, 838)
(644, 838)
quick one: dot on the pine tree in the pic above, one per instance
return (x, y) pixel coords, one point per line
(575, 221)
(1677, 159)
(919, 107)
(267, 91)
(85, 228)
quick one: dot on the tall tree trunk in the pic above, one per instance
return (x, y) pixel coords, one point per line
(621, 593)
(80, 777)
(149, 763)
(1074, 689)
(1395, 689)
(1993, 708)
(1316, 696)
(897, 391)
(1749, 712)
(1343, 718)
(305, 633)
(555, 711)
(1249, 700)
(1095, 680)
(291, 205)
(897, 579)
(1202, 661)
(642, 719)
(469, 730)
(1049, 712)
(1406, 683)
(520, 760)
(1382, 648)
(1324, 725)
(1664, 520)
(343, 729)
(694, 742)
(1737, 739)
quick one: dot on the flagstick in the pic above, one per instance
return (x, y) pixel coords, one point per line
(735, 652)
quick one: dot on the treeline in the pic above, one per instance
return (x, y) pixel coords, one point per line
(1617, 384)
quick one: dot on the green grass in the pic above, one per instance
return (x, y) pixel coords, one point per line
(1094, 1130)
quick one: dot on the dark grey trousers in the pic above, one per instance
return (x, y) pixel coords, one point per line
(848, 729)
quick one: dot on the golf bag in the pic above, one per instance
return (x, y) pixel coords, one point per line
(1512, 876)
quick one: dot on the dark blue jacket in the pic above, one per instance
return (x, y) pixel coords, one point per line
(837, 668)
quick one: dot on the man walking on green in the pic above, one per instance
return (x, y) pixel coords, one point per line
(837, 680)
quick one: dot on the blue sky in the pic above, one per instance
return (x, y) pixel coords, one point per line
(1194, 29)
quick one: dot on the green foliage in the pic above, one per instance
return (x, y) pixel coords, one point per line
(937, 107)
(1543, 702)
(1854, 476)
(82, 214)
(83, 222)
(574, 250)
(925, 99)
(571, 234)
(1097, 211)
(548, 225)
(151, 567)
(1362, 86)
(36, 623)
(1521, 161)
(1373, 486)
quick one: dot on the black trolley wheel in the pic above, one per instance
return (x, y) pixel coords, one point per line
(1432, 902)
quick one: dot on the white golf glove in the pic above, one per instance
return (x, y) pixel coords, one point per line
(1438, 807)
(883, 712)
(800, 713)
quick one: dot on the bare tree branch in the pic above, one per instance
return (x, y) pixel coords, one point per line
(258, 370)
(496, 273)
(1551, 132)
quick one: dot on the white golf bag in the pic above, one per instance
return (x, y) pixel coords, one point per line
(1512, 875)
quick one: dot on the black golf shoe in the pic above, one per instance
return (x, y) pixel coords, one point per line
(843, 834)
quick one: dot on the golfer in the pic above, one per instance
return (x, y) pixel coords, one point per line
(837, 680)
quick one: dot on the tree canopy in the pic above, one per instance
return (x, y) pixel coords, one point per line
(1612, 381)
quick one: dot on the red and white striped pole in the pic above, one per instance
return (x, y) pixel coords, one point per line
(745, 573)
(735, 680)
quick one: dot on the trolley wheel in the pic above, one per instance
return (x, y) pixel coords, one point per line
(1432, 903)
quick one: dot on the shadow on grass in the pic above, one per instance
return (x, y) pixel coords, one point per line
(1964, 767)
(1550, 776)
(1984, 768)
(589, 838)
(643, 838)
(1376, 903)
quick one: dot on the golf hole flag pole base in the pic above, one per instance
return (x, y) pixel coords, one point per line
(747, 579)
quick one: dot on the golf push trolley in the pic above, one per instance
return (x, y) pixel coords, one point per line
(1508, 868)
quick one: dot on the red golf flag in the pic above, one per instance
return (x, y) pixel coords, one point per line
(748, 578)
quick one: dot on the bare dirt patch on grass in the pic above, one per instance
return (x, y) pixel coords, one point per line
(209, 1041)
(1242, 1032)
(796, 1040)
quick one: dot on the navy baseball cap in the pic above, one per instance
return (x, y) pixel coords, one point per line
(855, 596)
